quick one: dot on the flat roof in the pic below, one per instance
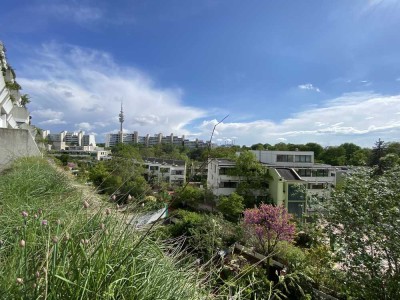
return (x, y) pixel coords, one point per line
(164, 161)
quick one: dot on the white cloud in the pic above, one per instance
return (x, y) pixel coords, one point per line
(71, 11)
(88, 87)
(356, 117)
(47, 113)
(308, 86)
(52, 122)
(85, 126)
(81, 88)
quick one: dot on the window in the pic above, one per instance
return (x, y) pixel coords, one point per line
(228, 184)
(225, 171)
(304, 172)
(316, 186)
(303, 158)
(284, 158)
(177, 172)
(296, 192)
(322, 173)
(153, 168)
(164, 170)
(296, 208)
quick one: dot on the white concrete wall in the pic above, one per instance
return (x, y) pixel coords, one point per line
(269, 157)
(16, 143)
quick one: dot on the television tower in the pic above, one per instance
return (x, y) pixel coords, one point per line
(121, 120)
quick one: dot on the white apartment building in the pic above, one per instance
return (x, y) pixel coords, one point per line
(165, 170)
(65, 139)
(219, 178)
(286, 170)
(280, 185)
(113, 139)
(13, 113)
(86, 152)
(17, 136)
(320, 178)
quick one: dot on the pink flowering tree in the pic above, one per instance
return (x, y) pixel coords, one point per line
(267, 225)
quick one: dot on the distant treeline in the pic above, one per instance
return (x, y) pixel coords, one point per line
(344, 154)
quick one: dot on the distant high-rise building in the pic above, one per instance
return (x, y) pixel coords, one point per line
(112, 139)
(65, 139)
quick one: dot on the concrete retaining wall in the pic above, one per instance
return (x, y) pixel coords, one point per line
(16, 143)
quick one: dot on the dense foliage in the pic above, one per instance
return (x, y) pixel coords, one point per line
(57, 243)
(363, 218)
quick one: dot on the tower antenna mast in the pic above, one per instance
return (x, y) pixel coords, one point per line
(121, 120)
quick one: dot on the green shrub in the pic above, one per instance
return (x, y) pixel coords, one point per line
(57, 243)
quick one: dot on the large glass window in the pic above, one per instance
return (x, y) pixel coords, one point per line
(228, 184)
(296, 208)
(284, 158)
(303, 158)
(304, 172)
(316, 186)
(225, 171)
(322, 173)
(177, 172)
(164, 170)
(296, 192)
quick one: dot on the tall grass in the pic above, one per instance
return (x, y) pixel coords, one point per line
(55, 245)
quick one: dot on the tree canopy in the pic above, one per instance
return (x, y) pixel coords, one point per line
(363, 219)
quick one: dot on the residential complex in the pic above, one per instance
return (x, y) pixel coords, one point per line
(320, 178)
(13, 113)
(76, 144)
(67, 139)
(113, 139)
(17, 136)
(293, 177)
(171, 171)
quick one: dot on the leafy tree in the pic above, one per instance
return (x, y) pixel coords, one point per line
(317, 148)
(258, 146)
(267, 225)
(138, 187)
(389, 161)
(188, 195)
(378, 151)
(231, 207)
(267, 146)
(221, 152)
(393, 147)
(126, 151)
(359, 157)
(205, 233)
(253, 179)
(98, 173)
(335, 156)
(349, 149)
(362, 219)
(64, 159)
(281, 147)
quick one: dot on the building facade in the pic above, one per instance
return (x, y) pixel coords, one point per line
(292, 177)
(320, 178)
(112, 139)
(13, 113)
(66, 139)
(160, 170)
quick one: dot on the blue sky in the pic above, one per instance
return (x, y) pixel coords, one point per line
(291, 71)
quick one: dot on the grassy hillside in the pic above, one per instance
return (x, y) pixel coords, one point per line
(56, 244)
